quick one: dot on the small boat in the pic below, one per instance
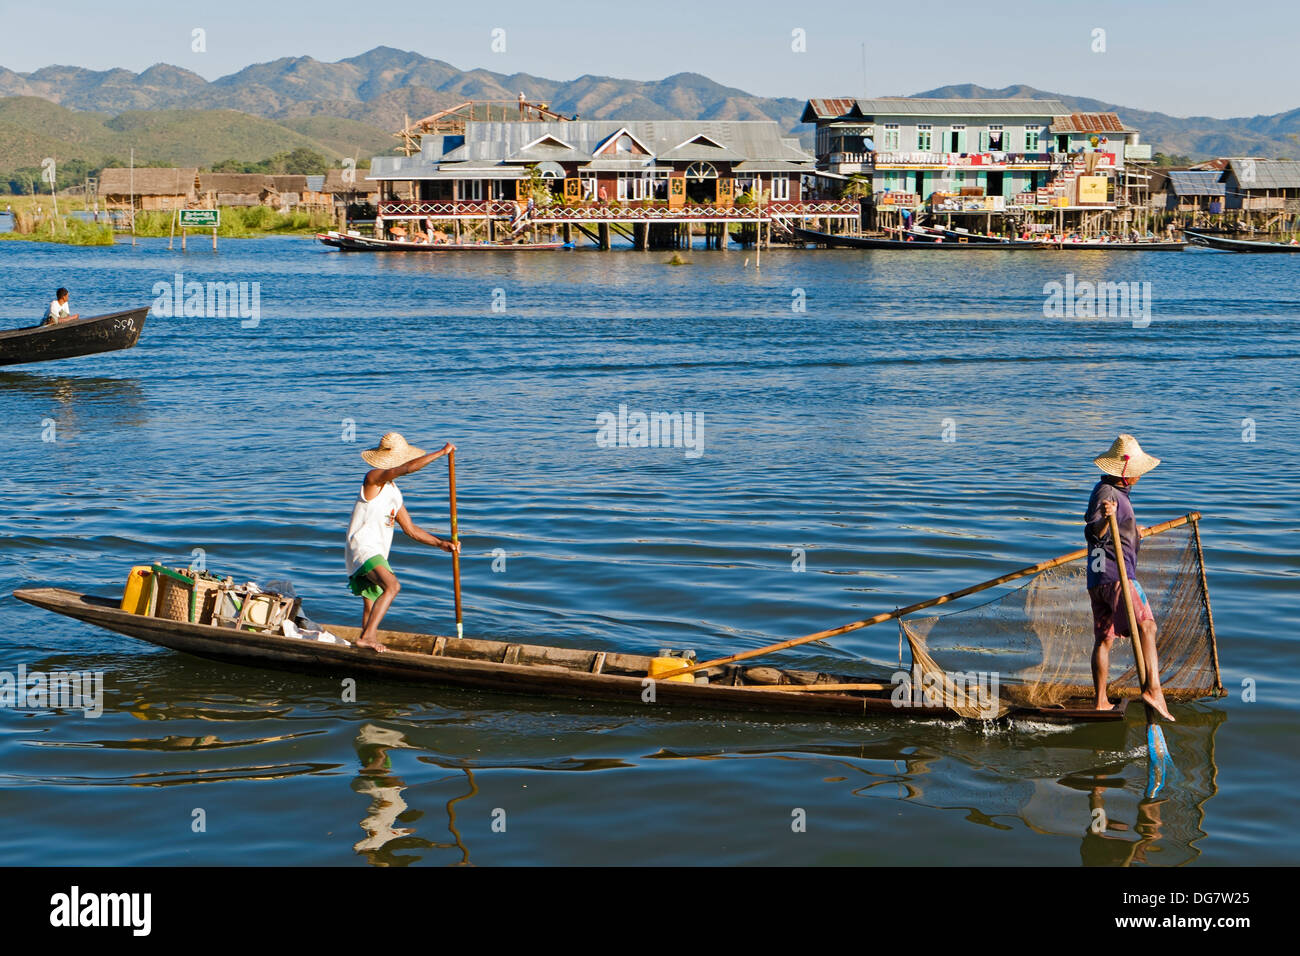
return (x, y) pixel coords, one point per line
(917, 243)
(60, 340)
(962, 235)
(1239, 245)
(350, 243)
(1120, 245)
(531, 669)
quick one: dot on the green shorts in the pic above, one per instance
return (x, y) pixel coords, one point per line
(362, 584)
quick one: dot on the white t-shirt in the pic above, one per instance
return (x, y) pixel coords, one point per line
(58, 310)
(370, 532)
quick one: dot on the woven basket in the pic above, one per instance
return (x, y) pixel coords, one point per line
(173, 599)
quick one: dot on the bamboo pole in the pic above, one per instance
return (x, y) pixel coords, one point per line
(806, 688)
(913, 608)
(1205, 595)
(455, 538)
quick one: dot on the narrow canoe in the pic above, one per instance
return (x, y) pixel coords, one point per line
(515, 668)
(100, 333)
(348, 243)
(1238, 245)
(919, 243)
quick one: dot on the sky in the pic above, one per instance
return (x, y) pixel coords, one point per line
(1183, 57)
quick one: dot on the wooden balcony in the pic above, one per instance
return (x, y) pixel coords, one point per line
(615, 212)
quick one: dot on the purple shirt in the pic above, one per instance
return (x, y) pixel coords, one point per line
(1097, 534)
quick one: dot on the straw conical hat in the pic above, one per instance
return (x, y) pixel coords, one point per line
(392, 451)
(1126, 459)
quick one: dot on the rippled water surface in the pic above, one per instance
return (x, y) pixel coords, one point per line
(822, 431)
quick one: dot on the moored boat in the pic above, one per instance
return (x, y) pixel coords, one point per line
(1239, 245)
(915, 243)
(534, 670)
(350, 243)
(70, 339)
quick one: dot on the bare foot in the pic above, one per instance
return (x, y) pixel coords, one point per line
(1157, 701)
(1104, 705)
(374, 645)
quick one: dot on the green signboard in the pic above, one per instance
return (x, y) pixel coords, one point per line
(210, 218)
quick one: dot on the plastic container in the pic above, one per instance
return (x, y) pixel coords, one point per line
(666, 665)
(135, 599)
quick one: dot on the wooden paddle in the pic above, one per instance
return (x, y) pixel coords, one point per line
(913, 608)
(455, 538)
(1157, 749)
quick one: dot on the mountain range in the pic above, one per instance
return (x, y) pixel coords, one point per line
(353, 106)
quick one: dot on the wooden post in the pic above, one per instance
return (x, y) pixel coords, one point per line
(171, 235)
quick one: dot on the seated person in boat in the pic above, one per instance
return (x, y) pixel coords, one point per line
(370, 533)
(1123, 464)
(59, 310)
(398, 232)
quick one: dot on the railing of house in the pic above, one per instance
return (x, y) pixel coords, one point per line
(978, 160)
(613, 212)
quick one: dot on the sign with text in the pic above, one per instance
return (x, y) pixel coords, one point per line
(195, 218)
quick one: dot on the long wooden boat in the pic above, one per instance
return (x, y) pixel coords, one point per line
(963, 235)
(100, 333)
(1238, 245)
(1120, 245)
(349, 243)
(917, 243)
(529, 669)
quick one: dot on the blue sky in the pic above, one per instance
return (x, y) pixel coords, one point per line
(1186, 58)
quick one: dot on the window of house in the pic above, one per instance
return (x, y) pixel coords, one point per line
(471, 189)
(924, 137)
(588, 182)
(780, 187)
(995, 139)
(892, 136)
(1031, 139)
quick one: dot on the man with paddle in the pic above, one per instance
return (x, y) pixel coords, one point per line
(370, 532)
(1118, 602)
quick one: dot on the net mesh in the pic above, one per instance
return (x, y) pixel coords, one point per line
(1038, 638)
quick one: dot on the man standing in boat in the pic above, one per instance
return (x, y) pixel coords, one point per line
(370, 533)
(1123, 464)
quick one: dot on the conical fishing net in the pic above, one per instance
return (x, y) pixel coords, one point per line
(1038, 638)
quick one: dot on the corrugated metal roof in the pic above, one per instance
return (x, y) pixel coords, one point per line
(1192, 182)
(493, 143)
(316, 184)
(919, 106)
(1089, 123)
(1265, 173)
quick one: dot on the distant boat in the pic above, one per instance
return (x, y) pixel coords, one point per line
(918, 243)
(350, 243)
(60, 340)
(1120, 245)
(1238, 245)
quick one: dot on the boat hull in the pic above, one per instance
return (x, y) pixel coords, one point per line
(45, 343)
(346, 243)
(534, 670)
(1239, 245)
(920, 243)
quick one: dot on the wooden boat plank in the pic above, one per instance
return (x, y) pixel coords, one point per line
(470, 663)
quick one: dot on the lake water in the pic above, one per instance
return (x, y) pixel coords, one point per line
(822, 430)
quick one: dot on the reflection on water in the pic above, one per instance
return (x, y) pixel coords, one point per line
(384, 841)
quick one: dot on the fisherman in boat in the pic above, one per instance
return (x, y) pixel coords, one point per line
(1123, 464)
(59, 310)
(370, 532)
